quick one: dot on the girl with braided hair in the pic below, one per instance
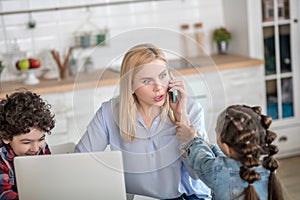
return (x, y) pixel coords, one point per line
(242, 166)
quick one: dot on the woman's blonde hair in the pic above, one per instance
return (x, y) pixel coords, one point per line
(131, 64)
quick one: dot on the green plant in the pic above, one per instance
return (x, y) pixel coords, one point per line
(221, 34)
(1, 66)
(88, 60)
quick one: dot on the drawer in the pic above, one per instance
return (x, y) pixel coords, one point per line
(287, 140)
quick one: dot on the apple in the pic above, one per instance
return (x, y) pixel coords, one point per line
(34, 63)
(23, 64)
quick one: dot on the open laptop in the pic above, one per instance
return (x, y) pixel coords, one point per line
(76, 176)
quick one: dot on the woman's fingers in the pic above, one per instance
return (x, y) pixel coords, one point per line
(176, 85)
(179, 86)
(185, 133)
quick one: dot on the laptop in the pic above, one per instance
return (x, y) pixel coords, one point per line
(76, 176)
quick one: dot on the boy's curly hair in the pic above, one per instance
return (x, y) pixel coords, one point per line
(21, 111)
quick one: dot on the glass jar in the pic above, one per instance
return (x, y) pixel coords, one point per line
(185, 28)
(199, 37)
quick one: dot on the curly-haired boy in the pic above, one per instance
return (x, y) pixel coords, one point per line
(25, 119)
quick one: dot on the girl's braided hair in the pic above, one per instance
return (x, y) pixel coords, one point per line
(245, 130)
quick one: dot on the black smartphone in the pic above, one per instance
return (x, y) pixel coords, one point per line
(174, 94)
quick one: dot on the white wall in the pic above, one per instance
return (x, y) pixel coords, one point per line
(126, 23)
(236, 19)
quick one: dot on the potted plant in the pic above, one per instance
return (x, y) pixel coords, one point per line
(1, 67)
(222, 36)
(85, 39)
(88, 64)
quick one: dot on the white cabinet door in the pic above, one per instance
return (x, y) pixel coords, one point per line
(279, 40)
(218, 89)
(271, 31)
(244, 86)
(61, 107)
(287, 140)
(73, 112)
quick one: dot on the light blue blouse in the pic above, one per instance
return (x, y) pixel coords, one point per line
(153, 164)
(221, 173)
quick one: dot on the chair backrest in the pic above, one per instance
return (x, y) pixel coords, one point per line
(62, 148)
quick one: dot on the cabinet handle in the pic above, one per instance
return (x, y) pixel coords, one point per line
(282, 139)
(295, 20)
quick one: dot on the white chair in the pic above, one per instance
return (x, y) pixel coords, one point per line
(62, 148)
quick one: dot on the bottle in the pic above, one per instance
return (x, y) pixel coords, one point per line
(185, 40)
(199, 37)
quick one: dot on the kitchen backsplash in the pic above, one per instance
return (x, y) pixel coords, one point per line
(125, 25)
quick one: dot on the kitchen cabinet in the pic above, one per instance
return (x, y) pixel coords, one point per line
(270, 31)
(73, 111)
(218, 89)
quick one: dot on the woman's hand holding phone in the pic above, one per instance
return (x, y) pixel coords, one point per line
(178, 100)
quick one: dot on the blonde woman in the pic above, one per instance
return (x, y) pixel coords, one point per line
(141, 122)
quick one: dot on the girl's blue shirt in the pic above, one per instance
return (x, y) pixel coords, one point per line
(152, 162)
(221, 173)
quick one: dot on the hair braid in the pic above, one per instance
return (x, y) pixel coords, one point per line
(270, 163)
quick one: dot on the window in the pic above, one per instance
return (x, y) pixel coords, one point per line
(278, 63)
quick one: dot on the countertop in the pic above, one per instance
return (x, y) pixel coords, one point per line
(106, 77)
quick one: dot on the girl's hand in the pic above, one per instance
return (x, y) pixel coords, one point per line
(179, 107)
(186, 133)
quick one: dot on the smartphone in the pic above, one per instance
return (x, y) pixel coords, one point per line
(174, 94)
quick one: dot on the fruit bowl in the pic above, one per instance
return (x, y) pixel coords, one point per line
(29, 66)
(31, 78)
